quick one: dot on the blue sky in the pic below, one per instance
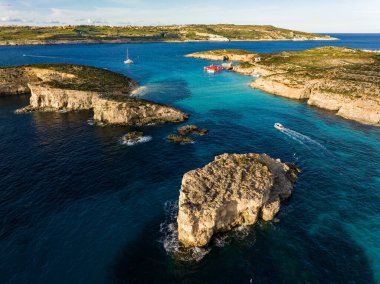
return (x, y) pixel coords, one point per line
(306, 15)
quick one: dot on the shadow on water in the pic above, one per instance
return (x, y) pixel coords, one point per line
(303, 260)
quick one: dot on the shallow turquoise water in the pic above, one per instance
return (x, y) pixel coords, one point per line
(78, 207)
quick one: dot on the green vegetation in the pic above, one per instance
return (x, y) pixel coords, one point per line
(72, 34)
(246, 65)
(87, 78)
(222, 52)
(68, 76)
(343, 71)
(337, 70)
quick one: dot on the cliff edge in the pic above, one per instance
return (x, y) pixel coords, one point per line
(68, 87)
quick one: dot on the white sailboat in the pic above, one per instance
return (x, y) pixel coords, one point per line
(128, 60)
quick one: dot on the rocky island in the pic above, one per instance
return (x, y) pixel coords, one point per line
(67, 87)
(16, 35)
(343, 80)
(233, 190)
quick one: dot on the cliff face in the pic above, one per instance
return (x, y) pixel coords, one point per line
(55, 99)
(74, 87)
(278, 88)
(363, 108)
(134, 112)
(233, 190)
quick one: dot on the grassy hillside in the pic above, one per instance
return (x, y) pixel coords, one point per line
(337, 70)
(72, 34)
(66, 76)
(343, 70)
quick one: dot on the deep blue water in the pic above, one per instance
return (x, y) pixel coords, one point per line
(76, 206)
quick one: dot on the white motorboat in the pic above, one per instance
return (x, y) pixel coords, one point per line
(279, 126)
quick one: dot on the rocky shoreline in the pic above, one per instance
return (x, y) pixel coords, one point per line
(72, 87)
(337, 79)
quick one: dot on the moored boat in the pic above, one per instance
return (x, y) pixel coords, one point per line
(128, 60)
(213, 68)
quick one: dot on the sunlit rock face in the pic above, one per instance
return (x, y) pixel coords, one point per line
(234, 189)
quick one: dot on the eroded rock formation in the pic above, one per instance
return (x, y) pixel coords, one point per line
(233, 190)
(191, 129)
(73, 87)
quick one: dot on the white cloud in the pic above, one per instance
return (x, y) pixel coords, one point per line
(10, 19)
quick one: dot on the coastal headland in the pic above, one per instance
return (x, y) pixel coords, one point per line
(29, 35)
(68, 87)
(343, 80)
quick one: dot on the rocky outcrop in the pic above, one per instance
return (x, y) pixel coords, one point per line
(233, 190)
(132, 137)
(119, 109)
(192, 129)
(128, 111)
(73, 87)
(180, 139)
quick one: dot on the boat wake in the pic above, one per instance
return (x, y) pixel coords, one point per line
(39, 56)
(169, 238)
(303, 139)
(140, 140)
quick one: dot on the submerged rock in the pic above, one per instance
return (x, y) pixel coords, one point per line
(177, 138)
(233, 190)
(191, 129)
(133, 136)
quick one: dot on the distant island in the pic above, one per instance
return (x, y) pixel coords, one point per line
(69, 87)
(343, 80)
(26, 35)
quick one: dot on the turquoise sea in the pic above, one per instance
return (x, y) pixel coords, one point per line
(77, 206)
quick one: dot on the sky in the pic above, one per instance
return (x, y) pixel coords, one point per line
(307, 15)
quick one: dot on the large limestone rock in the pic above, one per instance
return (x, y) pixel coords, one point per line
(130, 111)
(234, 189)
(43, 97)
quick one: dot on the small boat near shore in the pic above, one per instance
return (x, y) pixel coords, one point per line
(279, 126)
(213, 69)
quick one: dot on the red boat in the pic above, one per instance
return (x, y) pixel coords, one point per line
(213, 68)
